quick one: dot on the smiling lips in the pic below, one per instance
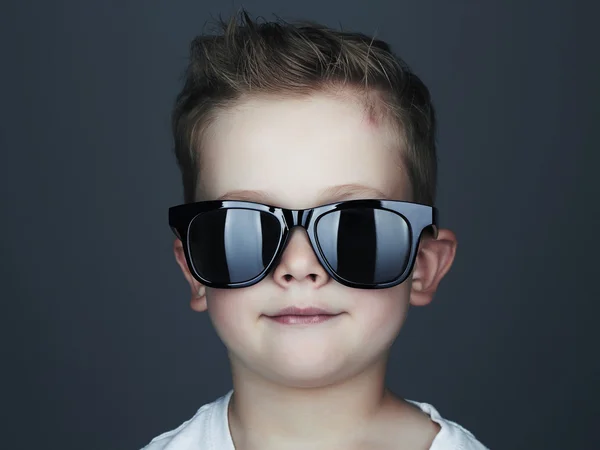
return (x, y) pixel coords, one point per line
(297, 316)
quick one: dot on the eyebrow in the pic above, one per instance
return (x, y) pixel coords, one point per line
(330, 194)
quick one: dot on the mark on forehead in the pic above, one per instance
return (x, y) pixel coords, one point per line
(373, 114)
(372, 118)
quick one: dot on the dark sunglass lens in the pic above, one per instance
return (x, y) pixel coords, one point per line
(233, 245)
(365, 245)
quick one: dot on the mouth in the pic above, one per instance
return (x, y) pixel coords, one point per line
(302, 316)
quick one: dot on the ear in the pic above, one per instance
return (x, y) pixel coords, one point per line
(198, 301)
(434, 259)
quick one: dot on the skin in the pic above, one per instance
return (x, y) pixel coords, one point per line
(319, 386)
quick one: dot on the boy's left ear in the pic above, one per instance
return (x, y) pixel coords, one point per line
(434, 259)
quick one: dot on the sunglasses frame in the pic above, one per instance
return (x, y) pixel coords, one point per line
(418, 218)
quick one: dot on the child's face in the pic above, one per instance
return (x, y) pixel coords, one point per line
(291, 150)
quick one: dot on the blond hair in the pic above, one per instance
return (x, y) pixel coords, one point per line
(246, 58)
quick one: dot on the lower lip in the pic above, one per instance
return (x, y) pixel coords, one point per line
(302, 320)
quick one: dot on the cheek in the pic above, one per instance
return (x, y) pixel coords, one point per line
(382, 314)
(226, 313)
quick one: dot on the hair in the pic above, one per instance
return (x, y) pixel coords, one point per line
(247, 59)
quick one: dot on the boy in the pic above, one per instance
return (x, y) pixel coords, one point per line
(273, 120)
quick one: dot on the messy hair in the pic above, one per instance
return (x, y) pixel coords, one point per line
(246, 59)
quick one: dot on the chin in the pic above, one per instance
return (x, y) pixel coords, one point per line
(306, 374)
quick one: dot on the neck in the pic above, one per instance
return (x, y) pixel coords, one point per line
(264, 414)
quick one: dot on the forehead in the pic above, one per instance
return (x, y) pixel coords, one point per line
(299, 153)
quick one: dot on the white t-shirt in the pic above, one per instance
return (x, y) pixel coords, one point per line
(209, 430)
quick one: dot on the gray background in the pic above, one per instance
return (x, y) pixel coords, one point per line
(99, 347)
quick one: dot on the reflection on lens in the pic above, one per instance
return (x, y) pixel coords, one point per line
(233, 245)
(365, 245)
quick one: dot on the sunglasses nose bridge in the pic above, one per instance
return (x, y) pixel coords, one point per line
(297, 217)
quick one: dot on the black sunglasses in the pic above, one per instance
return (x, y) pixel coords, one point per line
(365, 244)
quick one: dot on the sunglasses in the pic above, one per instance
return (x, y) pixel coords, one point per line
(365, 244)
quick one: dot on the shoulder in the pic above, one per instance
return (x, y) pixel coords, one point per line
(206, 428)
(451, 435)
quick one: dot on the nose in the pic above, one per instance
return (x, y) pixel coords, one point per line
(299, 263)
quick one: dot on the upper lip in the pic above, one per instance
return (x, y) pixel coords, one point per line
(295, 311)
